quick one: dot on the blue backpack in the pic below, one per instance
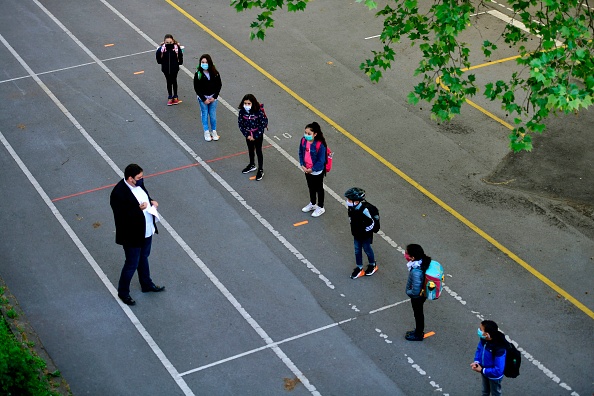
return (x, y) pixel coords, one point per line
(433, 281)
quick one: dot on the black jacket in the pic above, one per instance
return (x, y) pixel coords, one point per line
(203, 86)
(359, 221)
(129, 219)
(169, 60)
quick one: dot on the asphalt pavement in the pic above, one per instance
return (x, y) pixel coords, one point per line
(256, 304)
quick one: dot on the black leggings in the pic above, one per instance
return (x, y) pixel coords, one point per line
(417, 306)
(256, 145)
(171, 83)
(315, 184)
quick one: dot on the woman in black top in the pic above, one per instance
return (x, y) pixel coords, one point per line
(207, 84)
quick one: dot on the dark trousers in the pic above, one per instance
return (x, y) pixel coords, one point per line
(417, 306)
(136, 258)
(315, 184)
(171, 84)
(256, 145)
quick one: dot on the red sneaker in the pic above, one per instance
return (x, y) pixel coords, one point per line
(169, 102)
(176, 101)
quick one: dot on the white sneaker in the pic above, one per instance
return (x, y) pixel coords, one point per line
(215, 136)
(318, 212)
(309, 207)
(207, 136)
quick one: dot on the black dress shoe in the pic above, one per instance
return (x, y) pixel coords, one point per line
(153, 288)
(127, 300)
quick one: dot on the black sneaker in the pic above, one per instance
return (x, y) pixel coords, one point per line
(414, 337)
(357, 273)
(249, 168)
(371, 269)
(413, 331)
(260, 174)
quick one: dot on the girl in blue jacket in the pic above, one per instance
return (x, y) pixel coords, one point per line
(312, 158)
(417, 264)
(489, 359)
(252, 121)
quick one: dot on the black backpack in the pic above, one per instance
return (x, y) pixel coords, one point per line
(374, 212)
(513, 360)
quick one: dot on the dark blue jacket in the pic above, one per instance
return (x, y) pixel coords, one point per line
(414, 284)
(360, 219)
(318, 158)
(491, 357)
(252, 123)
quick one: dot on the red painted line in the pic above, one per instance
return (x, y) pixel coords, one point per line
(155, 174)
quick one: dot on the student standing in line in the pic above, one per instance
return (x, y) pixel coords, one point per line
(207, 84)
(417, 264)
(362, 229)
(489, 359)
(252, 121)
(170, 56)
(312, 158)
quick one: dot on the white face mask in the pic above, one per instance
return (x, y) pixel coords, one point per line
(350, 203)
(247, 108)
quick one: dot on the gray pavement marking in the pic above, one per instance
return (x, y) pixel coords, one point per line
(284, 358)
(75, 66)
(87, 255)
(390, 241)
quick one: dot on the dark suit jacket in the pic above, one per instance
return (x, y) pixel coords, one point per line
(129, 218)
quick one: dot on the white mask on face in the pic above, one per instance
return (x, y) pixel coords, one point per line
(350, 203)
(247, 108)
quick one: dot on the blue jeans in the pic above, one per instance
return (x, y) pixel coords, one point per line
(491, 387)
(136, 258)
(208, 110)
(364, 244)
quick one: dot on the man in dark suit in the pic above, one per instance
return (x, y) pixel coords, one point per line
(135, 227)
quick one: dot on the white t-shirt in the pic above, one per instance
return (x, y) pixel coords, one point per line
(141, 197)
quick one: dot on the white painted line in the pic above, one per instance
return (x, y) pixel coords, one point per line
(389, 306)
(413, 365)
(265, 347)
(147, 337)
(372, 37)
(75, 66)
(284, 358)
(511, 21)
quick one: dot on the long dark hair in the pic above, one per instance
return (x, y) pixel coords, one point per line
(418, 253)
(319, 136)
(212, 70)
(251, 98)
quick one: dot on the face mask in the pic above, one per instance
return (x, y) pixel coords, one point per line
(480, 333)
(204, 66)
(140, 183)
(407, 257)
(309, 138)
(247, 108)
(350, 203)
(169, 46)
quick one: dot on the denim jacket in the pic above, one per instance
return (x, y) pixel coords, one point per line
(317, 157)
(414, 284)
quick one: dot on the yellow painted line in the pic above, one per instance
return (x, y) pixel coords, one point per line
(390, 166)
(301, 223)
(431, 333)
